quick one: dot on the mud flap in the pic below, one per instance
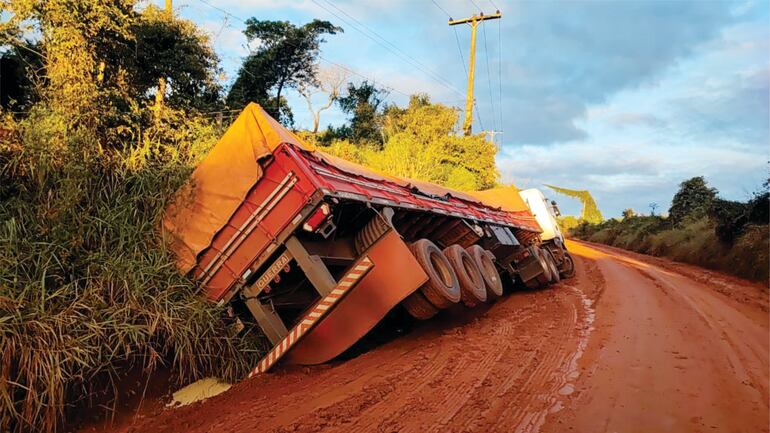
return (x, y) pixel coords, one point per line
(395, 276)
(390, 273)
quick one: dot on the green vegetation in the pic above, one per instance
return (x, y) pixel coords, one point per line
(419, 142)
(693, 200)
(102, 118)
(88, 291)
(590, 212)
(701, 229)
(285, 58)
(363, 103)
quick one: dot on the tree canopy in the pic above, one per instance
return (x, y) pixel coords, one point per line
(590, 212)
(176, 50)
(693, 200)
(285, 58)
(421, 142)
(20, 67)
(364, 104)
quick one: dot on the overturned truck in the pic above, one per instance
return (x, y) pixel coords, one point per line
(316, 250)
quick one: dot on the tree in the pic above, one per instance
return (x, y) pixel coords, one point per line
(422, 143)
(330, 82)
(590, 212)
(693, 200)
(76, 39)
(364, 104)
(628, 213)
(20, 68)
(286, 57)
(568, 223)
(175, 49)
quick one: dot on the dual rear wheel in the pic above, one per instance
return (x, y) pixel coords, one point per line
(454, 274)
(551, 273)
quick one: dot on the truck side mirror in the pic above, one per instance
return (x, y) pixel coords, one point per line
(555, 208)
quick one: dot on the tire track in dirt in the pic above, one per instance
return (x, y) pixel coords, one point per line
(461, 372)
(671, 351)
(398, 408)
(746, 360)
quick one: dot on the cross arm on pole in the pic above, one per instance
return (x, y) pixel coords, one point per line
(476, 18)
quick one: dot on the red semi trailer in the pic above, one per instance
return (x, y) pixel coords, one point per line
(316, 250)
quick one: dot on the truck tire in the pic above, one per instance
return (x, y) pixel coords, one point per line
(489, 274)
(442, 288)
(468, 274)
(552, 265)
(567, 266)
(368, 235)
(418, 306)
(545, 278)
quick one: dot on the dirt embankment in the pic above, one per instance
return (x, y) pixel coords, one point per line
(630, 344)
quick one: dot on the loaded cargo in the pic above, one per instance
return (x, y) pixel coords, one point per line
(315, 250)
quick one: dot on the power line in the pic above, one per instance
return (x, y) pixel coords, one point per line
(489, 78)
(222, 10)
(387, 41)
(478, 116)
(365, 30)
(388, 87)
(500, 71)
(460, 50)
(442, 9)
(462, 58)
(474, 22)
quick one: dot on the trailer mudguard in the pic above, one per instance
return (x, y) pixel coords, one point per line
(395, 275)
(390, 273)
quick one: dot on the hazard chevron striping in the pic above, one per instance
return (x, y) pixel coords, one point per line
(321, 308)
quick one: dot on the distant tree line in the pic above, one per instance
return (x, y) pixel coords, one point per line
(700, 228)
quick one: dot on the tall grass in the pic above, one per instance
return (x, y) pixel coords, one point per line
(87, 289)
(695, 242)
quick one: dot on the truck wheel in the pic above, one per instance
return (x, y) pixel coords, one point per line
(418, 306)
(442, 288)
(468, 274)
(489, 274)
(568, 266)
(532, 284)
(545, 278)
(368, 235)
(552, 265)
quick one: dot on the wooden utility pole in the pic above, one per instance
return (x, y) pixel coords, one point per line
(474, 21)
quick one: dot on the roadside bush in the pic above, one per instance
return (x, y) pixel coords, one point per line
(693, 200)
(420, 143)
(731, 217)
(87, 289)
(720, 234)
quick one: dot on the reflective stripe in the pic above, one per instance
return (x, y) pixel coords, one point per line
(313, 316)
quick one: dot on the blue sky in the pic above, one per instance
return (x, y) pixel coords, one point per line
(624, 98)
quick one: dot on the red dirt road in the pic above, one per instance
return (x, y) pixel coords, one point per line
(632, 344)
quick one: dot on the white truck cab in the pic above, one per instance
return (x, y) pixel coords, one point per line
(545, 213)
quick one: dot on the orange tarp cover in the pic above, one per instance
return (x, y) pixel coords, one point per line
(220, 183)
(506, 198)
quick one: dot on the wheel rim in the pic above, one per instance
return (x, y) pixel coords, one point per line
(489, 268)
(442, 269)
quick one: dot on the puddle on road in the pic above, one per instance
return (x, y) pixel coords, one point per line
(198, 391)
(569, 372)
